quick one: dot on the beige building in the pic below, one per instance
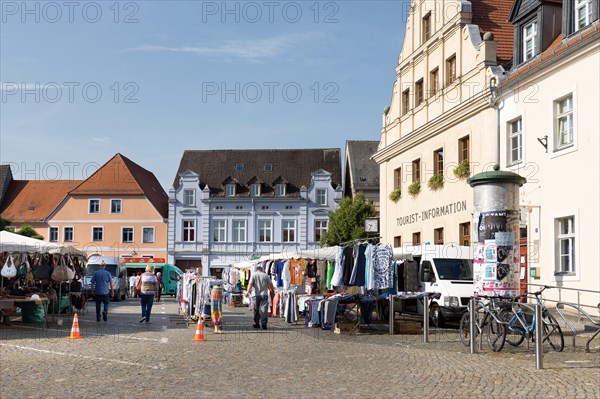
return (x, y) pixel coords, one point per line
(549, 123)
(439, 117)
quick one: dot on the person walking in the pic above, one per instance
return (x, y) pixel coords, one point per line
(137, 284)
(262, 285)
(148, 288)
(132, 286)
(160, 286)
(102, 285)
(216, 308)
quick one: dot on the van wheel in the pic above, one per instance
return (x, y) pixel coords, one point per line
(435, 315)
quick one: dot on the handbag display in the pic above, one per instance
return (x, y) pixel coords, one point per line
(62, 272)
(23, 268)
(9, 270)
(43, 269)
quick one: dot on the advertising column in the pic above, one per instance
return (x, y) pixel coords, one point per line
(496, 233)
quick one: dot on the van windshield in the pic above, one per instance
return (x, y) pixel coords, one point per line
(90, 269)
(454, 269)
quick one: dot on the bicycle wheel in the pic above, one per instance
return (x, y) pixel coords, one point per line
(514, 330)
(552, 333)
(496, 334)
(464, 330)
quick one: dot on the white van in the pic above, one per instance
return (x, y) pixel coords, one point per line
(446, 269)
(114, 267)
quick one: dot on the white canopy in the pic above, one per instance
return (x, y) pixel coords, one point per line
(327, 253)
(11, 242)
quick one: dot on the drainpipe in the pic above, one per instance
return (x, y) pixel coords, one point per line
(494, 103)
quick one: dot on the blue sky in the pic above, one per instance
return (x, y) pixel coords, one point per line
(151, 79)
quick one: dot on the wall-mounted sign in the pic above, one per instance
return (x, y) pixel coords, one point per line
(432, 213)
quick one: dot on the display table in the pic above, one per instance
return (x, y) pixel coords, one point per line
(424, 297)
(28, 308)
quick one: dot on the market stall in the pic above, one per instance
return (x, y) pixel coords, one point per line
(38, 277)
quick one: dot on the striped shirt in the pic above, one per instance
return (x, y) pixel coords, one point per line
(149, 284)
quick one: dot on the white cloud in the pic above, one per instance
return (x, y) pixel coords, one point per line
(246, 49)
(99, 140)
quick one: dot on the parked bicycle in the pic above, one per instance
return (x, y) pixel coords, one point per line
(520, 323)
(488, 321)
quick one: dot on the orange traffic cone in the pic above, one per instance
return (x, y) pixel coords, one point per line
(75, 329)
(199, 331)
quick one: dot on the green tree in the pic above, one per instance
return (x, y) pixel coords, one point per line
(28, 231)
(4, 223)
(347, 222)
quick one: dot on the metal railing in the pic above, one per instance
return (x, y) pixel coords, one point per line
(559, 302)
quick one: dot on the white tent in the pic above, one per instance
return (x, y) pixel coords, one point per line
(327, 253)
(16, 243)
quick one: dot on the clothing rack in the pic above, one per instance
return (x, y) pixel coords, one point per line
(364, 239)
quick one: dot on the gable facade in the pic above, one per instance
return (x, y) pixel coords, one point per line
(440, 116)
(211, 228)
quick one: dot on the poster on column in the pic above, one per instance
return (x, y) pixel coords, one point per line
(496, 260)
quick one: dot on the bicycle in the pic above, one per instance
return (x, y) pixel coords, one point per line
(486, 320)
(521, 324)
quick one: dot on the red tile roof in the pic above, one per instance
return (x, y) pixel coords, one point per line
(29, 201)
(122, 176)
(559, 46)
(492, 16)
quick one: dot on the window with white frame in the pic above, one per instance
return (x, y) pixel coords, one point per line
(230, 190)
(127, 234)
(321, 196)
(218, 230)
(189, 230)
(94, 206)
(564, 122)
(265, 230)
(189, 197)
(280, 190)
(53, 234)
(255, 190)
(147, 234)
(288, 230)
(239, 231)
(97, 233)
(320, 229)
(529, 40)
(583, 13)
(565, 245)
(68, 234)
(515, 141)
(115, 206)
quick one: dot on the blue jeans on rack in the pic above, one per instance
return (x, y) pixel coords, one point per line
(261, 308)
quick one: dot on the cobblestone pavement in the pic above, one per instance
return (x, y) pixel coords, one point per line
(122, 358)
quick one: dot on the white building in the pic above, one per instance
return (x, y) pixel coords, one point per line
(549, 107)
(439, 117)
(228, 205)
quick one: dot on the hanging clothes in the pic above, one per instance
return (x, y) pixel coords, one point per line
(330, 271)
(216, 305)
(296, 271)
(382, 267)
(348, 265)
(337, 277)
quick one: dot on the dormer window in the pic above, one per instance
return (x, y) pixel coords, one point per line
(268, 167)
(230, 190)
(255, 190)
(239, 167)
(280, 190)
(583, 13)
(529, 40)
